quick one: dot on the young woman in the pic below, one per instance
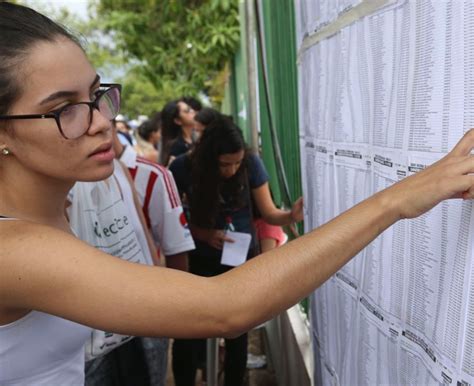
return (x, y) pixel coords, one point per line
(220, 179)
(55, 129)
(177, 130)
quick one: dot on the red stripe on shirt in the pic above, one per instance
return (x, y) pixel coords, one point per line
(149, 189)
(133, 172)
(171, 192)
(169, 187)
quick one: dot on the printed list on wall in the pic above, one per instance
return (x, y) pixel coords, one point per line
(380, 100)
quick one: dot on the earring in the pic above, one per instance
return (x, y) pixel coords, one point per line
(5, 151)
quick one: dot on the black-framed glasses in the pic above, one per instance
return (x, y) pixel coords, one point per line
(75, 119)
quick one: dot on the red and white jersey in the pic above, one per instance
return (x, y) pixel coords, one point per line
(161, 204)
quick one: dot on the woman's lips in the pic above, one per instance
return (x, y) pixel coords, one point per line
(104, 153)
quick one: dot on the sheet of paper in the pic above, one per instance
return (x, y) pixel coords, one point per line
(235, 253)
(380, 100)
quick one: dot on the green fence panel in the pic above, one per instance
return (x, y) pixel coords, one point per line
(266, 150)
(280, 52)
(278, 28)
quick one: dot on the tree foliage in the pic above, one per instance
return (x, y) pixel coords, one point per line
(158, 49)
(180, 45)
(140, 96)
(98, 44)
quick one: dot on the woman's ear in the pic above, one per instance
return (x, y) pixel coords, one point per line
(3, 135)
(178, 121)
(5, 138)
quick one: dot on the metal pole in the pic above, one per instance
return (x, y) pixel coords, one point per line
(251, 33)
(212, 365)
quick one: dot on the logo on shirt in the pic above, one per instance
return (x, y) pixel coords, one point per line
(115, 227)
(183, 221)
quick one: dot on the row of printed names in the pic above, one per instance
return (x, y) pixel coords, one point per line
(400, 163)
(391, 165)
(401, 336)
(314, 15)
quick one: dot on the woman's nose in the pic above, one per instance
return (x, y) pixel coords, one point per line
(99, 123)
(234, 170)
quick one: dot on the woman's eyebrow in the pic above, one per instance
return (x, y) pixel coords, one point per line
(58, 95)
(65, 94)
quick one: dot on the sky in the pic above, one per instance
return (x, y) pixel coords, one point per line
(75, 6)
(78, 7)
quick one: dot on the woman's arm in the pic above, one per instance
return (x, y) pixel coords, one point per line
(308, 262)
(48, 270)
(270, 213)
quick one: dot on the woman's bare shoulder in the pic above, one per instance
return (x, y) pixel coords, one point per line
(48, 270)
(15, 233)
(35, 257)
(20, 236)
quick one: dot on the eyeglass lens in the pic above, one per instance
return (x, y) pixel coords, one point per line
(75, 119)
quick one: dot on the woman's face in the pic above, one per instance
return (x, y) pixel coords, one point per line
(186, 115)
(121, 126)
(230, 163)
(54, 75)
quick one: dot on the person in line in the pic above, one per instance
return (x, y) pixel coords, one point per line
(165, 219)
(124, 130)
(55, 129)
(193, 102)
(161, 205)
(149, 137)
(221, 179)
(119, 228)
(269, 236)
(177, 130)
(204, 118)
(139, 360)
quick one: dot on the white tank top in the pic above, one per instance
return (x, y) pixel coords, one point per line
(42, 349)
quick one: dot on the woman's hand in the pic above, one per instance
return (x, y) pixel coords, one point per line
(297, 210)
(214, 237)
(450, 177)
(217, 238)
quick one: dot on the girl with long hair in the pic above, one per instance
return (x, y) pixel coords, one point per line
(177, 130)
(221, 178)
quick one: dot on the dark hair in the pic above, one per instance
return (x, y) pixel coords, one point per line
(156, 121)
(20, 29)
(170, 130)
(147, 128)
(207, 115)
(195, 104)
(222, 136)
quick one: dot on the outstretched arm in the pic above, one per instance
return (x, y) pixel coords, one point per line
(306, 263)
(46, 269)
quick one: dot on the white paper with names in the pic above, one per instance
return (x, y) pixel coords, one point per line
(235, 253)
(380, 100)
